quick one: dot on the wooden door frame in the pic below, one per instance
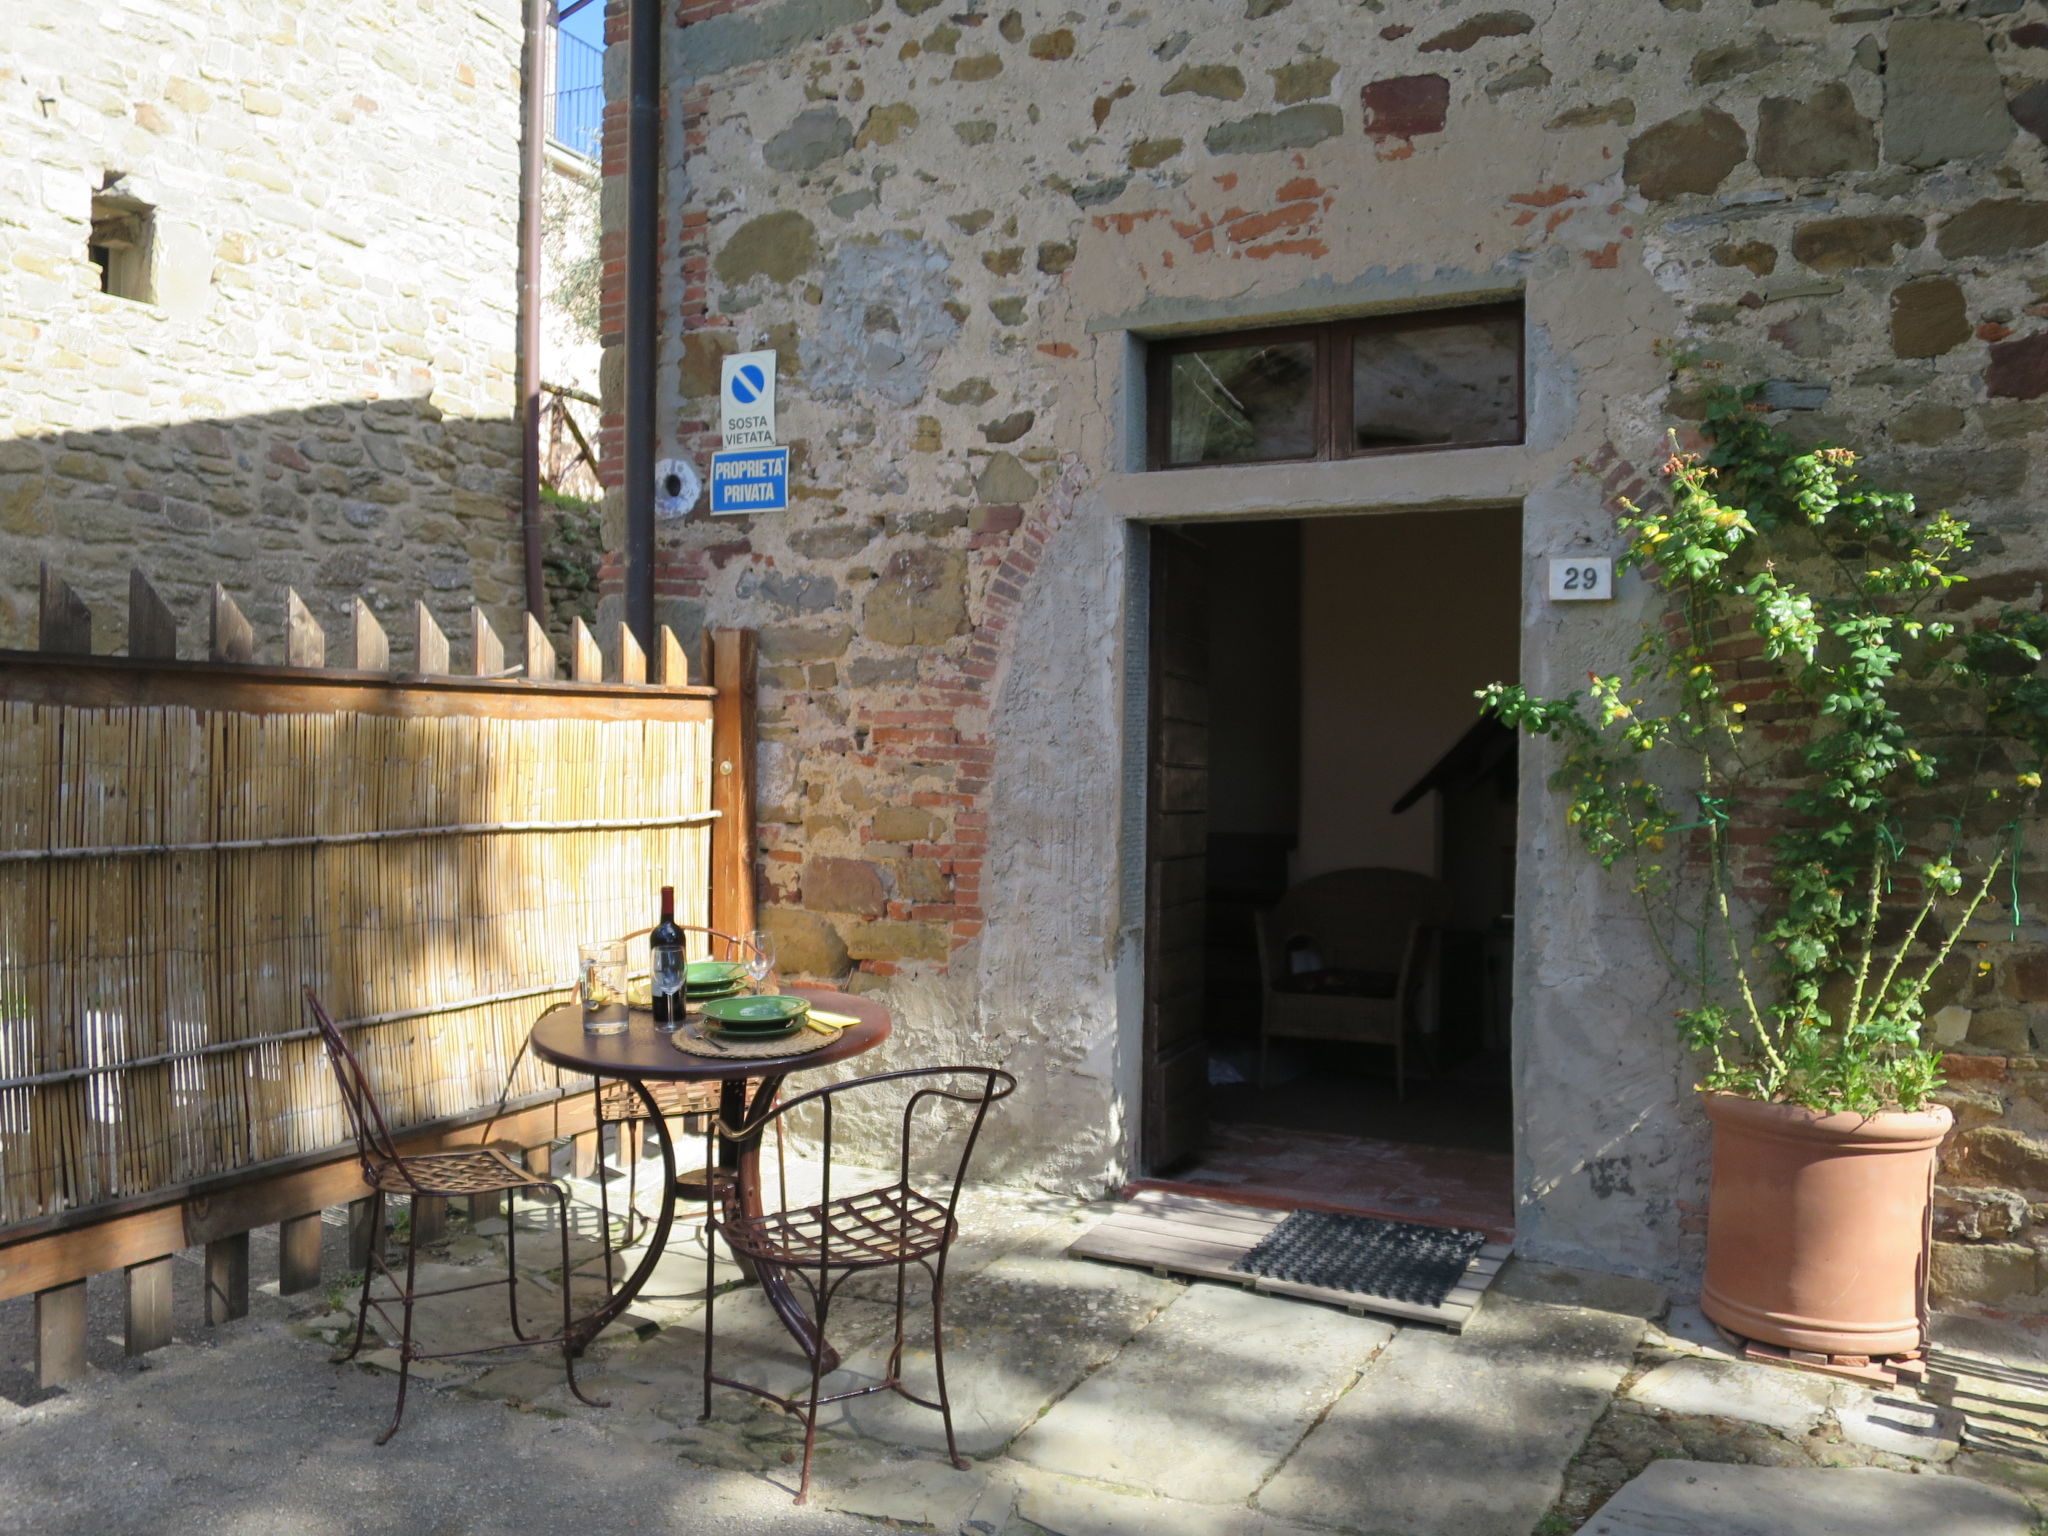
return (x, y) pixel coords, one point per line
(1135, 861)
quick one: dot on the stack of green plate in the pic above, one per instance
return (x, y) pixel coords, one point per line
(706, 980)
(755, 1018)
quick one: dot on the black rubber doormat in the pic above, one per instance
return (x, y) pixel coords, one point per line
(1395, 1259)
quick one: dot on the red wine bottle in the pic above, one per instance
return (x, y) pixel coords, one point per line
(666, 970)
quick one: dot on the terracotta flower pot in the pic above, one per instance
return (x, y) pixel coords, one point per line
(1817, 1225)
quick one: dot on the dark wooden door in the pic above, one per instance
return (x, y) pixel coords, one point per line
(1176, 840)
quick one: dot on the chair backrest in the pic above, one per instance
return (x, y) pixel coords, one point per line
(1354, 919)
(719, 944)
(373, 1138)
(973, 1089)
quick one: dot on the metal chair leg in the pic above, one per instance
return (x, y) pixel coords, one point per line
(939, 1359)
(412, 1252)
(512, 1263)
(710, 1296)
(803, 1487)
(568, 1313)
(896, 1354)
(604, 1204)
(370, 1263)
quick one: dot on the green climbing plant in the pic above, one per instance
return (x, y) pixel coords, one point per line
(1813, 779)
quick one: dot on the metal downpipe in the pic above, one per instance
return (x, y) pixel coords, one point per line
(643, 179)
(532, 171)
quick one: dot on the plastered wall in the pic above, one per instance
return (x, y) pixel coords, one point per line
(957, 224)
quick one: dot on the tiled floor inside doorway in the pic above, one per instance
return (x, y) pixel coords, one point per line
(1443, 1155)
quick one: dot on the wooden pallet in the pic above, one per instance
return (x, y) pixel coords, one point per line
(1183, 1234)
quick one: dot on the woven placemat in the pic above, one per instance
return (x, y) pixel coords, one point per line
(1397, 1259)
(691, 1036)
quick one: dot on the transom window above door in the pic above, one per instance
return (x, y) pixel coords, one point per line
(1448, 378)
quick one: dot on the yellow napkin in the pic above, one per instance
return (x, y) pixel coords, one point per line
(836, 1020)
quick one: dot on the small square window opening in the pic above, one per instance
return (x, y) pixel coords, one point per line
(120, 246)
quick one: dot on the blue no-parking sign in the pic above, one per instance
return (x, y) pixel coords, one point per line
(750, 480)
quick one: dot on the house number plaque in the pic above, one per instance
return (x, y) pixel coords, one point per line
(1581, 579)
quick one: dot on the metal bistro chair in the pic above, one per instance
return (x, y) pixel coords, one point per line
(895, 1225)
(481, 1172)
(619, 1105)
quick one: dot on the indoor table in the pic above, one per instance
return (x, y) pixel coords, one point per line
(641, 1054)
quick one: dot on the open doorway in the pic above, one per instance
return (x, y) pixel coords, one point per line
(1331, 842)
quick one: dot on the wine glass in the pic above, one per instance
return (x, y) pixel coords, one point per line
(759, 957)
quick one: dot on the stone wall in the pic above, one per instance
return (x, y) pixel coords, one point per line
(320, 394)
(955, 224)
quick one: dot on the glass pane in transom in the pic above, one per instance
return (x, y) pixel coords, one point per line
(1437, 384)
(1240, 405)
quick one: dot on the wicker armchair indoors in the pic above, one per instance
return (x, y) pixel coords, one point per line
(1351, 955)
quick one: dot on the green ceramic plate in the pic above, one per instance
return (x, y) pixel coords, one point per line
(721, 989)
(753, 1014)
(712, 973)
(771, 1032)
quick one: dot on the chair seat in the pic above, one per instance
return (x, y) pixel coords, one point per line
(616, 1100)
(1333, 982)
(481, 1172)
(881, 1226)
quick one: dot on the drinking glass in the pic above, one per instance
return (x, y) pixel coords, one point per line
(760, 957)
(601, 986)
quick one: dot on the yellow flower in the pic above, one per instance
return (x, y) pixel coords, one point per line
(2030, 780)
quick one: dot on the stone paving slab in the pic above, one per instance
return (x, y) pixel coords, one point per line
(1894, 1422)
(1464, 1435)
(1792, 1401)
(258, 1436)
(1017, 1339)
(1698, 1498)
(1205, 1402)
(1064, 1506)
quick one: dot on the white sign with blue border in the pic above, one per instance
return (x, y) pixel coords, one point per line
(746, 399)
(750, 480)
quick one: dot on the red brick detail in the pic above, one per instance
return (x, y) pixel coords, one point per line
(1406, 107)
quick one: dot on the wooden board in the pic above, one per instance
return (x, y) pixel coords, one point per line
(1188, 1235)
(63, 1250)
(114, 682)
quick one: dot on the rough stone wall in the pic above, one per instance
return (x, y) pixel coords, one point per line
(950, 220)
(321, 394)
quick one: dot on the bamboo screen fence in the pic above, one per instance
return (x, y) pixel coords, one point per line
(182, 847)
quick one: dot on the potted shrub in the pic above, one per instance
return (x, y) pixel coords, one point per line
(1814, 780)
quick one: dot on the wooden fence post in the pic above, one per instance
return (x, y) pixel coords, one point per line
(729, 667)
(298, 1253)
(152, 631)
(229, 637)
(588, 1154)
(632, 660)
(305, 642)
(60, 1334)
(227, 1278)
(373, 646)
(146, 1314)
(542, 665)
(63, 622)
(671, 667)
(429, 1218)
(365, 1234)
(487, 655)
(430, 645)
(586, 660)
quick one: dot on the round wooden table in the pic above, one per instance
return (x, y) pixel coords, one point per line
(641, 1054)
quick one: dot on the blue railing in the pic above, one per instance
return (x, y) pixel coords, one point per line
(576, 105)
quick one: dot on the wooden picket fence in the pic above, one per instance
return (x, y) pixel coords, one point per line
(185, 844)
